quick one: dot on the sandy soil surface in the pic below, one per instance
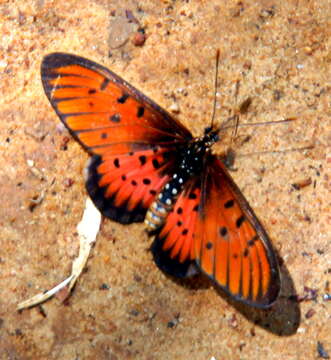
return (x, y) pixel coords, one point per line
(278, 54)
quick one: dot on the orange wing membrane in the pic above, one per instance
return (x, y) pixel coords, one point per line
(230, 245)
(132, 138)
(102, 111)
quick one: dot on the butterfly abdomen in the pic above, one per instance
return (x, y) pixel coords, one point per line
(163, 204)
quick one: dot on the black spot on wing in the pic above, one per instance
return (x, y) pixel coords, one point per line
(240, 221)
(209, 246)
(123, 98)
(229, 204)
(140, 111)
(116, 118)
(251, 242)
(104, 84)
(142, 159)
(117, 162)
(223, 231)
(156, 164)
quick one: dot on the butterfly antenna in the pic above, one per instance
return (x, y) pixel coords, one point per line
(262, 123)
(215, 87)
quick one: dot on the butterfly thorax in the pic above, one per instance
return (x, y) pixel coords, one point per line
(189, 163)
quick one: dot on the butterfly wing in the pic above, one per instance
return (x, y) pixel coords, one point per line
(124, 186)
(173, 246)
(230, 244)
(213, 226)
(133, 141)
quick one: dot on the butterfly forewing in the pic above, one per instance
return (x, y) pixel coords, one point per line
(105, 113)
(231, 245)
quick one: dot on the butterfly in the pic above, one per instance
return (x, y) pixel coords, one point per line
(146, 166)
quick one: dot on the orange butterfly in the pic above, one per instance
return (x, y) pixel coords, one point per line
(146, 165)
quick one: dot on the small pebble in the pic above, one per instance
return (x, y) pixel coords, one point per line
(174, 108)
(139, 39)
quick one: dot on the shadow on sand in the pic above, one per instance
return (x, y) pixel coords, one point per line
(282, 318)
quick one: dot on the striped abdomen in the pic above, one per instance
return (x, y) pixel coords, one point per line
(163, 204)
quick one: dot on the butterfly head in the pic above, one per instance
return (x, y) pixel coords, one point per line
(210, 136)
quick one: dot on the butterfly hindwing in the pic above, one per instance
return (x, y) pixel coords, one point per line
(213, 226)
(123, 186)
(230, 245)
(173, 248)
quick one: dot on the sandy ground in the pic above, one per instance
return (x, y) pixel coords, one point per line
(123, 307)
